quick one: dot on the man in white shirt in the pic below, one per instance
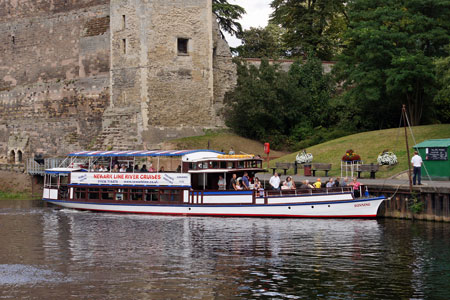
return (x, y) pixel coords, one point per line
(416, 162)
(275, 182)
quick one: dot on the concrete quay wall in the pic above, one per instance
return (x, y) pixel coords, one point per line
(434, 202)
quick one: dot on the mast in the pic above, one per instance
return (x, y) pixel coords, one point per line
(407, 147)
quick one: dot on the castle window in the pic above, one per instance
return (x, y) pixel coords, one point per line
(124, 22)
(13, 40)
(124, 46)
(19, 156)
(182, 46)
(12, 157)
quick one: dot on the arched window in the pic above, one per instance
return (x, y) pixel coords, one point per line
(12, 156)
(19, 156)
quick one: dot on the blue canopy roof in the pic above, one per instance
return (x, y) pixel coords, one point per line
(152, 153)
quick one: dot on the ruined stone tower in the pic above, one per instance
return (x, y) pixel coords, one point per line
(102, 74)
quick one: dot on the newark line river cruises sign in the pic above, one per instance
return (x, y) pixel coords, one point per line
(158, 179)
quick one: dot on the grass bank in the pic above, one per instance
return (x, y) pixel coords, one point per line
(221, 141)
(7, 195)
(370, 144)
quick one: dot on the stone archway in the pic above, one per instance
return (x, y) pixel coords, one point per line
(19, 158)
(12, 157)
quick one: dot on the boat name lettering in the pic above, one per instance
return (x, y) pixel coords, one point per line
(362, 204)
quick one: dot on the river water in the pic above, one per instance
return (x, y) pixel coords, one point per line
(49, 253)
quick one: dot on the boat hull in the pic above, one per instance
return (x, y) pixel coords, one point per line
(355, 208)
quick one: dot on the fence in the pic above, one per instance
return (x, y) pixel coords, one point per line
(35, 168)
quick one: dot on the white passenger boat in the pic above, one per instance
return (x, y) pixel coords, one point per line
(191, 190)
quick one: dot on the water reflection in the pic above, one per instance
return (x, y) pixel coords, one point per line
(98, 256)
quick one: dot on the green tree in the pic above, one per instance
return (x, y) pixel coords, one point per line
(262, 43)
(388, 59)
(442, 99)
(269, 104)
(311, 25)
(227, 16)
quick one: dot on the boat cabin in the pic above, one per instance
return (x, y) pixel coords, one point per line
(139, 175)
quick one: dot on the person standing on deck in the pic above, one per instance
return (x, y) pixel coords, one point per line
(221, 183)
(245, 181)
(233, 183)
(275, 182)
(416, 162)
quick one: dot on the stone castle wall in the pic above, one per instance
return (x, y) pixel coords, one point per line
(80, 74)
(54, 74)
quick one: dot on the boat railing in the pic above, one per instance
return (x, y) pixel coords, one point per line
(295, 192)
(197, 196)
(38, 168)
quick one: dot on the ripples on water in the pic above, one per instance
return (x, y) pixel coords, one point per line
(51, 254)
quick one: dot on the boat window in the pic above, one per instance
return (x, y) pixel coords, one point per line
(107, 194)
(151, 195)
(170, 195)
(80, 193)
(223, 164)
(94, 194)
(203, 165)
(122, 195)
(136, 194)
(230, 165)
(241, 164)
(213, 164)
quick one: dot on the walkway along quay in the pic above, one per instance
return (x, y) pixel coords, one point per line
(431, 202)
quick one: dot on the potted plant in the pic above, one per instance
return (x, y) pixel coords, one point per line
(387, 158)
(351, 156)
(304, 158)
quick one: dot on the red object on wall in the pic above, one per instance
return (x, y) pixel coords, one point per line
(266, 148)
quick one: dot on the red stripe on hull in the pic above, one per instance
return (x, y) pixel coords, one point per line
(228, 215)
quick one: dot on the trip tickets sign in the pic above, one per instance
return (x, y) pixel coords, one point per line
(164, 179)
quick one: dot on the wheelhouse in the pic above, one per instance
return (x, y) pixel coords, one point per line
(205, 172)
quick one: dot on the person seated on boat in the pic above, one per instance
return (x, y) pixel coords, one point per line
(318, 183)
(233, 183)
(136, 169)
(257, 184)
(150, 168)
(130, 168)
(238, 186)
(115, 169)
(245, 182)
(143, 169)
(162, 169)
(330, 183)
(101, 168)
(306, 185)
(275, 181)
(356, 184)
(123, 168)
(290, 183)
(94, 167)
(221, 183)
(231, 152)
(178, 169)
(344, 182)
(337, 182)
(258, 187)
